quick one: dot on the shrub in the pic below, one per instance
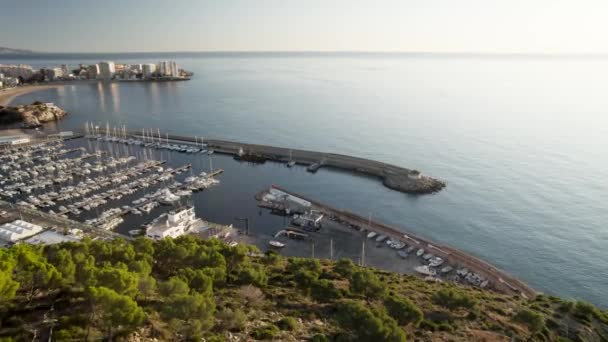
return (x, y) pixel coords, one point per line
(287, 323)
(324, 291)
(344, 267)
(367, 325)
(453, 299)
(265, 333)
(584, 311)
(532, 320)
(367, 284)
(403, 310)
(232, 320)
(319, 338)
(252, 295)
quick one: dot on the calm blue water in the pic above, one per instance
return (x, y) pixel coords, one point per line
(520, 141)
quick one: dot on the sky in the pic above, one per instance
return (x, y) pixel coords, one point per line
(480, 26)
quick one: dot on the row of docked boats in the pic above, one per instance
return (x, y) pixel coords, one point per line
(146, 139)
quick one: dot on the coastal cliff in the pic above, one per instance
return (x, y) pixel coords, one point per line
(32, 115)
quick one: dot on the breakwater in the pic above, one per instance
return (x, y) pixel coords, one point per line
(500, 280)
(392, 176)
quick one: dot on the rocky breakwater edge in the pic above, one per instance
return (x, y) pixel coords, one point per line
(32, 115)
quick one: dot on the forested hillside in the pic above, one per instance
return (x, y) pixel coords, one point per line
(188, 289)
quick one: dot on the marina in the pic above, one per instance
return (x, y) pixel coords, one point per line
(97, 184)
(113, 181)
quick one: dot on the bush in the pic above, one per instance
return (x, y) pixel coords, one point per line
(324, 291)
(584, 311)
(367, 325)
(367, 284)
(453, 299)
(319, 338)
(403, 310)
(252, 295)
(287, 323)
(532, 320)
(344, 267)
(265, 333)
(232, 320)
(296, 264)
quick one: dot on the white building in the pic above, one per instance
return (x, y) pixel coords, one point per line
(106, 70)
(168, 68)
(19, 70)
(93, 71)
(178, 222)
(14, 140)
(148, 70)
(10, 81)
(53, 74)
(17, 230)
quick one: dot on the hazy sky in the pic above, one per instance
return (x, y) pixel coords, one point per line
(571, 26)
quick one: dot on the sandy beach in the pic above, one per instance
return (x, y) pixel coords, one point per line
(7, 95)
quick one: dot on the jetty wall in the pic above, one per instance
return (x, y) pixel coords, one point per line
(501, 281)
(392, 176)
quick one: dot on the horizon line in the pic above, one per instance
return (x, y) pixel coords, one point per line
(388, 52)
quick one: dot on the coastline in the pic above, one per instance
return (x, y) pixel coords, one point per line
(8, 95)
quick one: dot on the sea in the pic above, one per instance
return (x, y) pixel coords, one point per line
(520, 140)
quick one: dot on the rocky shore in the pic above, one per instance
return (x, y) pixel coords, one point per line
(32, 115)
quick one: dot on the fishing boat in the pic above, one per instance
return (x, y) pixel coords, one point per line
(425, 270)
(403, 254)
(276, 244)
(136, 232)
(290, 163)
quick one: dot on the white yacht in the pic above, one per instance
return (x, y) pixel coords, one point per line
(177, 222)
(167, 197)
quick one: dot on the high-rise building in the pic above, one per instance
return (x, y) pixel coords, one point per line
(52, 74)
(148, 70)
(93, 71)
(21, 70)
(106, 70)
(168, 68)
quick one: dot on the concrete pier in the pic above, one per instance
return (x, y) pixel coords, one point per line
(392, 176)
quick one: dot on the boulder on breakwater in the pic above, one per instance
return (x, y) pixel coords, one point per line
(32, 115)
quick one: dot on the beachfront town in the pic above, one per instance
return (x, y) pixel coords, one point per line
(12, 75)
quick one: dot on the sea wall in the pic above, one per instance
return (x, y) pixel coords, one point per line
(392, 176)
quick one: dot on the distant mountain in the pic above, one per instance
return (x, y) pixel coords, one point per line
(9, 51)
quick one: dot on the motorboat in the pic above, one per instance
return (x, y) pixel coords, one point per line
(420, 252)
(276, 244)
(371, 235)
(425, 270)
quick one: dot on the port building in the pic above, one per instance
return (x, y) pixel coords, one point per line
(14, 140)
(17, 230)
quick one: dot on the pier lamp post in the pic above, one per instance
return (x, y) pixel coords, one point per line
(246, 219)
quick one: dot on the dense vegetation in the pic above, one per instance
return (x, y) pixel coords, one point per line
(188, 288)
